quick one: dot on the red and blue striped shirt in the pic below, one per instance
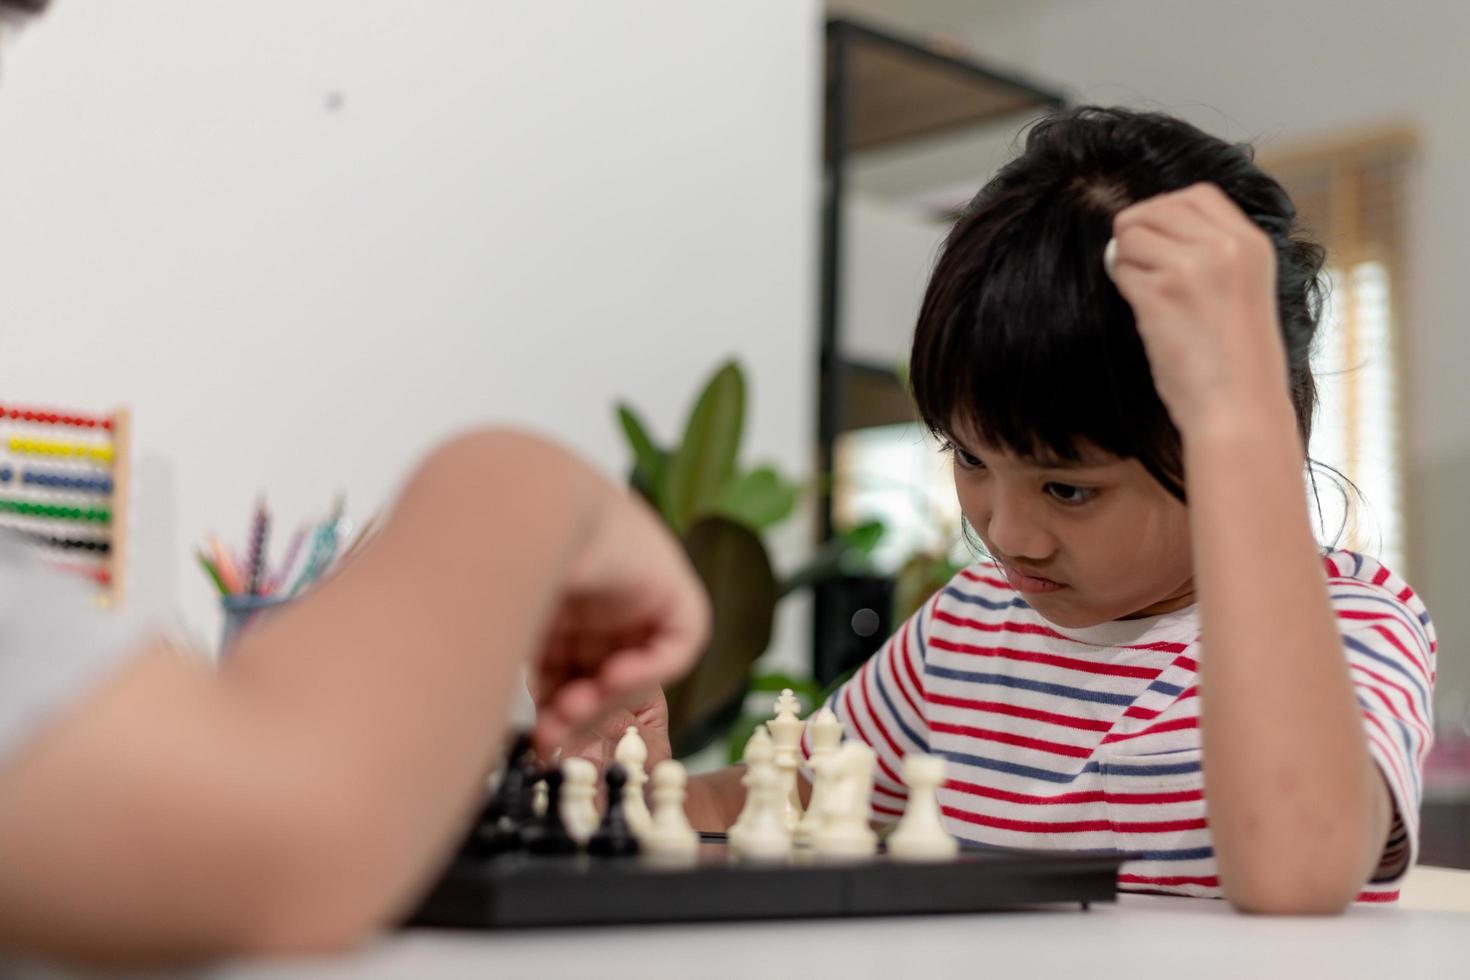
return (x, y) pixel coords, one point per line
(1089, 739)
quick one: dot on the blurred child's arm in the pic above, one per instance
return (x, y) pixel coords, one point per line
(1298, 812)
(305, 793)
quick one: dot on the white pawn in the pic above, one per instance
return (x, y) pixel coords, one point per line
(826, 736)
(632, 754)
(758, 751)
(765, 837)
(540, 794)
(844, 832)
(920, 835)
(579, 799)
(786, 730)
(671, 839)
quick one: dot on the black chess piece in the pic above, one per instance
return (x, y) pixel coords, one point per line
(502, 821)
(614, 838)
(548, 834)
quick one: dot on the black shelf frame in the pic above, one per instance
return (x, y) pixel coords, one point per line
(847, 40)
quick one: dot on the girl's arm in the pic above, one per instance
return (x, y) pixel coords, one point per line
(1298, 811)
(305, 793)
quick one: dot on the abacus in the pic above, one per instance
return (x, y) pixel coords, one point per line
(63, 486)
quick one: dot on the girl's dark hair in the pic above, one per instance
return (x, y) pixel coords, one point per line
(25, 6)
(1023, 336)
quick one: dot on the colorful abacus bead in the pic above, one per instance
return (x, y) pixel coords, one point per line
(56, 511)
(64, 481)
(46, 417)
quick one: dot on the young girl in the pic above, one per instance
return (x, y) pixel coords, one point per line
(1114, 348)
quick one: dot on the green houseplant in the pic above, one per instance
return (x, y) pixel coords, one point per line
(720, 510)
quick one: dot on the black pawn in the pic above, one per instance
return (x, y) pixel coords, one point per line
(549, 835)
(614, 838)
(505, 816)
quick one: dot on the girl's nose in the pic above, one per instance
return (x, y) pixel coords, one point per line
(1016, 530)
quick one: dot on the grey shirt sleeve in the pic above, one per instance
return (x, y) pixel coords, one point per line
(55, 643)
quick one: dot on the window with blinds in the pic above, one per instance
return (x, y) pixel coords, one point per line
(1353, 197)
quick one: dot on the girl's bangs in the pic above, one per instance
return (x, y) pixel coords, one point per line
(1043, 360)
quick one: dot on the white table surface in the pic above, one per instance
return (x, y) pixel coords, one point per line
(1138, 938)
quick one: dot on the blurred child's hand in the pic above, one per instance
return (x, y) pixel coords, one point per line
(598, 744)
(633, 615)
(1201, 279)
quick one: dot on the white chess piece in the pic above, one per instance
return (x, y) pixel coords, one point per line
(670, 839)
(758, 751)
(844, 832)
(765, 837)
(786, 730)
(540, 794)
(920, 835)
(579, 799)
(1110, 258)
(632, 754)
(826, 736)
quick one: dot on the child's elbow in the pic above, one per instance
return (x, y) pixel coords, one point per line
(1282, 891)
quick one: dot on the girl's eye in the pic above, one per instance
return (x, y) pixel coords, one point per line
(962, 458)
(1068, 494)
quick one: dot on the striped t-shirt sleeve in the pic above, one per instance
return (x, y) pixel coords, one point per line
(1390, 646)
(882, 704)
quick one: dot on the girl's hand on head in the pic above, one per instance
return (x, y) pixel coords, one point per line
(632, 616)
(1201, 279)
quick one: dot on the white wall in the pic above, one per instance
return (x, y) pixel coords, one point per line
(516, 212)
(1283, 73)
(887, 254)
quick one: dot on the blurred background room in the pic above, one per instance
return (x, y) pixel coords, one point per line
(300, 242)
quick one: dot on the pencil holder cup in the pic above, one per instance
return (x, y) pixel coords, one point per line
(242, 612)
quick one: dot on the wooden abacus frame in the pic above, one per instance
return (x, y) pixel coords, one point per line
(50, 483)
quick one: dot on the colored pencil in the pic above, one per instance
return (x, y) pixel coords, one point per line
(227, 570)
(259, 542)
(323, 548)
(283, 573)
(359, 539)
(212, 572)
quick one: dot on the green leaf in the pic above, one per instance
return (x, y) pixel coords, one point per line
(736, 570)
(804, 687)
(649, 461)
(845, 554)
(704, 462)
(759, 499)
(864, 537)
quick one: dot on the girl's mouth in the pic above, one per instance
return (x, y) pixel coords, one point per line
(1030, 584)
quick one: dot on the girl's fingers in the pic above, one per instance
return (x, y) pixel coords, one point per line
(1141, 247)
(1167, 215)
(1214, 206)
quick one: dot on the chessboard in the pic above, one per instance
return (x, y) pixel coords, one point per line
(524, 890)
(542, 852)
